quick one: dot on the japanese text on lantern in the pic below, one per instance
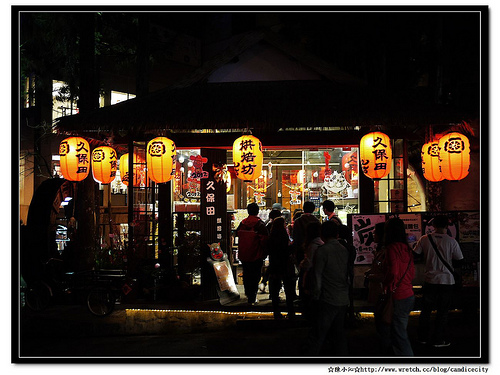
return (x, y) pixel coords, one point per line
(104, 164)
(376, 155)
(247, 157)
(74, 158)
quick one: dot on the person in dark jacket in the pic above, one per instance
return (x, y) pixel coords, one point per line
(265, 271)
(252, 255)
(279, 254)
(299, 236)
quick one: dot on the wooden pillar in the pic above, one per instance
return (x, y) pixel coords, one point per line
(366, 192)
(165, 224)
(213, 217)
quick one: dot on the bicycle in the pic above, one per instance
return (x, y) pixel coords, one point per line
(109, 287)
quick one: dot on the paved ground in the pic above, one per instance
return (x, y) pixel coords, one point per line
(62, 332)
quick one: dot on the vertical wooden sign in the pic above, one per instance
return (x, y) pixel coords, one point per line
(213, 217)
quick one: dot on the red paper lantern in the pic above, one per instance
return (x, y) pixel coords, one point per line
(104, 164)
(74, 155)
(376, 155)
(431, 166)
(161, 156)
(454, 155)
(247, 157)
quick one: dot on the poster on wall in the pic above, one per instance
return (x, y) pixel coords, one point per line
(363, 227)
(468, 225)
(413, 227)
(428, 227)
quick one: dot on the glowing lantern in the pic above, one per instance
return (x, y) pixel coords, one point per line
(247, 157)
(139, 173)
(430, 162)
(376, 155)
(454, 155)
(104, 164)
(161, 158)
(75, 160)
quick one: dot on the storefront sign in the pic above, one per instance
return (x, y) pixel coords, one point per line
(214, 225)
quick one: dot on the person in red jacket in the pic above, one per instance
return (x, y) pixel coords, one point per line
(398, 280)
(252, 237)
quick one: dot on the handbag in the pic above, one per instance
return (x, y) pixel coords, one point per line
(457, 276)
(384, 307)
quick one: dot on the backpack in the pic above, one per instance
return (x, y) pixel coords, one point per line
(250, 244)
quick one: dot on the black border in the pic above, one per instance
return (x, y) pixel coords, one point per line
(484, 209)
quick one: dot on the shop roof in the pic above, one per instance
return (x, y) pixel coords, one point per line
(339, 101)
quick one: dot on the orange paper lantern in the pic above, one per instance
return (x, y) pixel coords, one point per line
(247, 157)
(139, 170)
(376, 155)
(431, 166)
(454, 155)
(104, 164)
(74, 155)
(161, 156)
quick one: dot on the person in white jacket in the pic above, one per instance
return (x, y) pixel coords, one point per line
(439, 282)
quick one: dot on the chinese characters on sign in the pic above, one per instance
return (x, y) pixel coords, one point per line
(376, 155)
(363, 240)
(74, 158)
(247, 157)
(104, 164)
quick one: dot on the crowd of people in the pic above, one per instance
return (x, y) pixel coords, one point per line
(317, 259)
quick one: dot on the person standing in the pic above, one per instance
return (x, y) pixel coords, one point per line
(376, 274)
(373, 280)
(439, 281)
(398, 281)
(329, 211)
(299, 236)
(330, 293)
(313, 241)
(275, 213)
(252, 236)
(279, 254)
